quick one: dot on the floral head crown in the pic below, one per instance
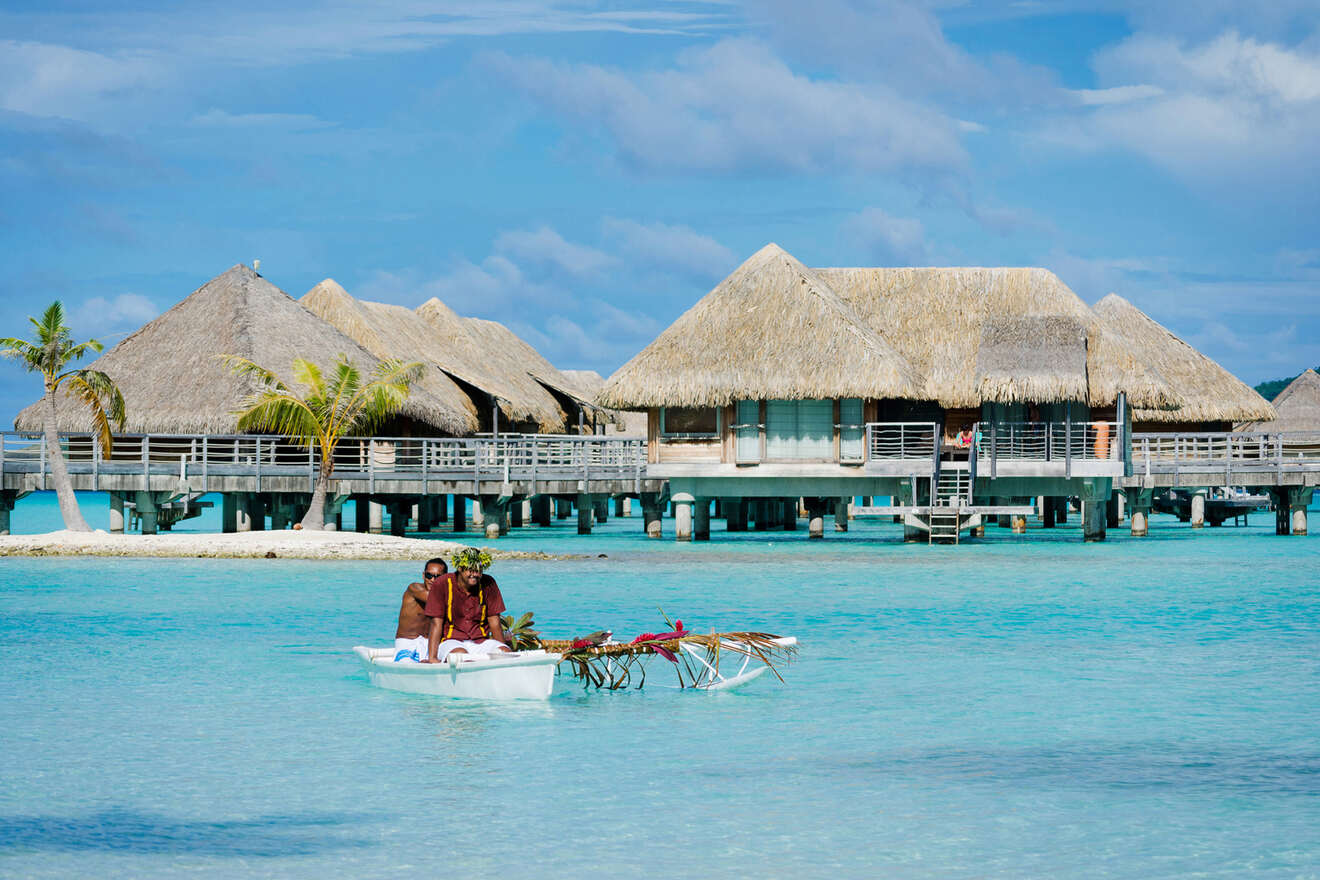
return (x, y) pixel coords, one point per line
(470, 557)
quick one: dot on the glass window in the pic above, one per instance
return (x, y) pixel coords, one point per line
(801, 429)
(689, 421)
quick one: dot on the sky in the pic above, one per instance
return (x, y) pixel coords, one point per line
(585, 172)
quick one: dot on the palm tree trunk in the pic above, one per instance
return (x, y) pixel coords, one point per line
(315, 516)
(59, 472)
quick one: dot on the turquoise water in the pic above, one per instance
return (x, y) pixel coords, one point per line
(1038, 708)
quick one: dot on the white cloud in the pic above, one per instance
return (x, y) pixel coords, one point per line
(1116, 95)
(887, 239)
(677, 249)
(1233, 107)
(735, 107)
(42, 79)
(547, 248)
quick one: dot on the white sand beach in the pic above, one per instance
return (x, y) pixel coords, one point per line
(289, 544)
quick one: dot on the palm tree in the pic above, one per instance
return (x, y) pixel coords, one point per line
(327, 411)
(51, 352)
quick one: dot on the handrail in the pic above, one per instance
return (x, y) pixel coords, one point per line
(902, 440)
(568, 456)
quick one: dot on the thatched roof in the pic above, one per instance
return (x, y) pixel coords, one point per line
(173, 380)
(938, 318)
(1298, 407)
(773, 329)
(1204, 391)
(388, 332)
(1029, 359)
(495, 369)
(520, 355)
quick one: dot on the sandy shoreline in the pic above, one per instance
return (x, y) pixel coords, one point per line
(300, 544)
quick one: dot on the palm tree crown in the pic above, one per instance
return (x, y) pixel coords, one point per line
(329, 409)
(51, 352)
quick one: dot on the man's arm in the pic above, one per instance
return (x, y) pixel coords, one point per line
(433, 641)
(496, 630)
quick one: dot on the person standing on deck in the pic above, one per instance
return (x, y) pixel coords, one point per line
(464, 607)
(411, 639)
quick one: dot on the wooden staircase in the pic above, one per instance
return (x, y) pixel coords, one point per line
(946, 517)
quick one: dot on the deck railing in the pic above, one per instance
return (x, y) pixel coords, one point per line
(508, 457)
(1282, 451)
(1050, 441)
(901, 440)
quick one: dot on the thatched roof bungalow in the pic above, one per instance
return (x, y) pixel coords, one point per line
(776, 343)
(1297, 406)
(174, 381)
(1207, 397)
(450, 354)
(519, 355)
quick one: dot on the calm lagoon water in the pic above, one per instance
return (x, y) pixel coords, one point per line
(1038, 708)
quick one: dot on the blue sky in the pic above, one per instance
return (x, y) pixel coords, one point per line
(585, 172)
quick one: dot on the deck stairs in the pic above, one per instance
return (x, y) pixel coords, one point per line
(946, 516)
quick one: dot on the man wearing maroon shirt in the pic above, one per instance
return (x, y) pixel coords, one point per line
(464, 607)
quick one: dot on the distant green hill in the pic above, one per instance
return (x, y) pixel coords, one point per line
(1269, 390)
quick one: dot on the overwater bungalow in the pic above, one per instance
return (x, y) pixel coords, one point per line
(505, 398)
(827, 384)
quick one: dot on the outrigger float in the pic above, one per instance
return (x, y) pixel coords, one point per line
(700, 660)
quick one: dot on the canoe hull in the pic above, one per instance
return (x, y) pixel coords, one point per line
(527, 675)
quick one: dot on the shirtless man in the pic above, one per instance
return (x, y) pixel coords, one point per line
(465, 608)
(410, 639)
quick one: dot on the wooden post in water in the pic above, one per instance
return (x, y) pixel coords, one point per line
(117, 513)
(701, 520)
(145, 503)
(541, 510)
(460, 513)
(1111, 510)
(789, 514)
(8, 498)
(620, 502)
(1198, 508)
(585, 503)
(626, 506)
(815, 518)
(478, 513)
(516, 514)
(651, 519)
(682, 518)
(375, 516)
(1093, 519)
(601, 508)
(1139, 501)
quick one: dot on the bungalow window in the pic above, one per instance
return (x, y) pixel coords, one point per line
(690, 422)
(799, 429)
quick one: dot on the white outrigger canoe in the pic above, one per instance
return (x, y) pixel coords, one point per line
(530, 675)
(526, 675)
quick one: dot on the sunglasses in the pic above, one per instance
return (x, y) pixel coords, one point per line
(431, 577)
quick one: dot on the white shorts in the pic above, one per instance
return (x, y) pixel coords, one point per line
(490, 646)
(416, 648)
